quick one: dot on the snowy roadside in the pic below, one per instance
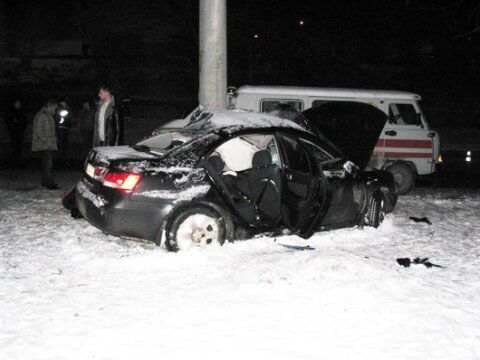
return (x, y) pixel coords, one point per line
(67, 291)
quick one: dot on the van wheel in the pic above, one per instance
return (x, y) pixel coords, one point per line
(197, 226)
(404, 177)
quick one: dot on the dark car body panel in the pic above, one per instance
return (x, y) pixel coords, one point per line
(117, 215)
(180, 178)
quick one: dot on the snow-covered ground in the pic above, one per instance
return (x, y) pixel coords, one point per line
(67, 291)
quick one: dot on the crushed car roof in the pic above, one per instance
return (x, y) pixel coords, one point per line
(209, 120)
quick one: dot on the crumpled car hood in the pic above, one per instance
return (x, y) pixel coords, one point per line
(353, 127)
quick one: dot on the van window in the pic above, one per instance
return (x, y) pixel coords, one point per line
(271, 105)
(404, 114)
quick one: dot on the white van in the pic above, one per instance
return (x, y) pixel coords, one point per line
(407, 146)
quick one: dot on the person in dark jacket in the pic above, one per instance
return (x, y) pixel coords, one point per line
(16, 121)
(107, 122)
(86, 119)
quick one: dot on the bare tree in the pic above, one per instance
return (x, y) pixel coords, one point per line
(471, 25)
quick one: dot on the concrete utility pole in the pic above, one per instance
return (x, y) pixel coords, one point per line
(213, 54)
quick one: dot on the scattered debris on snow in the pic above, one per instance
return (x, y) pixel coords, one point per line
(421, 220)
(406, 262)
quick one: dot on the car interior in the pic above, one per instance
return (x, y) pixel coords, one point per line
(246, 168)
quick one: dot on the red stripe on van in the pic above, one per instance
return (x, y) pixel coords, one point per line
(408, 155)
(414, 144)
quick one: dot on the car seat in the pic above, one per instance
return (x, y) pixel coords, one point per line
(264, 181)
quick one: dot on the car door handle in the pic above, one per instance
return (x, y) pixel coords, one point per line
(391, 133)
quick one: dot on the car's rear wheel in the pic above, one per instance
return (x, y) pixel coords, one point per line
(404, 177)
(376, 211)
(195, 227)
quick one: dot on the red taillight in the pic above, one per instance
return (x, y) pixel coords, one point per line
(123, 181)
(99, 171)
(95, 172)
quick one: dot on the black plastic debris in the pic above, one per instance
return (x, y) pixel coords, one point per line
(297, 247)
(406, 262)
(421, 220)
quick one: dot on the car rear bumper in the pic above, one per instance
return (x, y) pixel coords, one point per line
(120, 216)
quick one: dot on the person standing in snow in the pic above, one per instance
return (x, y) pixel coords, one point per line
(44, 141)
(107, 122)
(63, 121)
(16, 123)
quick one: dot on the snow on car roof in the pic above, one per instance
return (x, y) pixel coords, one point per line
(120, 152)
(328, 92)
(217, 119)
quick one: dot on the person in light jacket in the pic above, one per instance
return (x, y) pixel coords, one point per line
(44, 141)
(107, 122)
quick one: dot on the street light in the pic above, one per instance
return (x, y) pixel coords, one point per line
(301, 22)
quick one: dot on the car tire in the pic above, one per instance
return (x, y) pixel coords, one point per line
(376, 210)
(404, 177)
(198, 226)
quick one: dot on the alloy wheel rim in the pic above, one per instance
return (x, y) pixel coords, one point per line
(198, 230)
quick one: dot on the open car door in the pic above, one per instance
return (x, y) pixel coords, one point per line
(302, 189)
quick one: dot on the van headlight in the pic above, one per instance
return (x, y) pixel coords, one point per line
(468, 158)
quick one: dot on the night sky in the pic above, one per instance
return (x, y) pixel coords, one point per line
(150, 48)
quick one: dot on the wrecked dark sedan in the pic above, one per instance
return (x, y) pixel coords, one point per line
(229, 175)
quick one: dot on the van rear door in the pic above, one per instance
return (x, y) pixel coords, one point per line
(406, 136)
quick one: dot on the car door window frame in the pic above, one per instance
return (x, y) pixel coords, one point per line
(284, 156)
(229, 197)
(319, 175)
(217, 145)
